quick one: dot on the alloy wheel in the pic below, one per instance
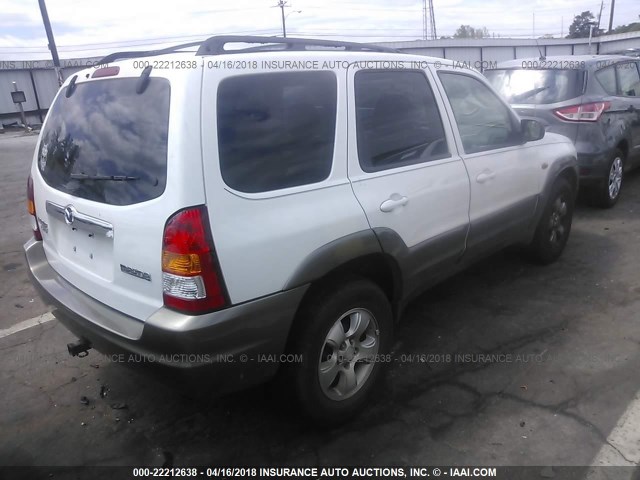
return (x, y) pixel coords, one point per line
(348, 354)
(615, 178)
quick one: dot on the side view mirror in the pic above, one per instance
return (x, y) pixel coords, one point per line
(532, 130)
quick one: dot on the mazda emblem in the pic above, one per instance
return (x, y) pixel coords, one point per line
(69, 214)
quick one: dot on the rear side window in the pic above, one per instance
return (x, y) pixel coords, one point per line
(607, 79)
(537, 87)
(106, 142)
(276, 130)
(398, 122)
(629, 79)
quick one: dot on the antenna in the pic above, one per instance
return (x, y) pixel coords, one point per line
(428, 21)
(432, 19)
(542, 56)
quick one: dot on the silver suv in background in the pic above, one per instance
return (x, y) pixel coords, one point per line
(592, 99)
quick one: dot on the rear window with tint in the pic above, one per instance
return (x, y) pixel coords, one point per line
(107, 143)
(537, 87)
(276, 130)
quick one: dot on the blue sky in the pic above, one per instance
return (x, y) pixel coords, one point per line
(94, 28)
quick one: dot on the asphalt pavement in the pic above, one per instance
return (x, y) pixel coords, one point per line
(505, 364)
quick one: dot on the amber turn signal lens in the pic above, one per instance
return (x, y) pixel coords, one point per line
(181, 264)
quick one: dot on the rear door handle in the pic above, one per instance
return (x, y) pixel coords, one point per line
(393, 202)
(485, 176)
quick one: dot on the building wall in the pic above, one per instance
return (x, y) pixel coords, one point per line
(500, 49)
(39, 85)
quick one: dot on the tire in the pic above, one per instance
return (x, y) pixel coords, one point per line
(554, 226)
(606, 195)
(335, 379)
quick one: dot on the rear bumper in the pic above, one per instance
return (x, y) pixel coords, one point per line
(234, 348)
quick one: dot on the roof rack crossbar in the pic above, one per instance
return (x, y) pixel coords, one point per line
(215, 45)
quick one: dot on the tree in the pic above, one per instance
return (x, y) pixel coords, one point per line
(467, 31)
(632, 27)
(582, 25)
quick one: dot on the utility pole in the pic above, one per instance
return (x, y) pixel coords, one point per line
(425, 33)
(613, 4)
(52, 42)
(282, 4)
(533, 27)
(591, 26)
(600, 15)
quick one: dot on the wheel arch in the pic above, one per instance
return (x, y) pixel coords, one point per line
(571, 176)
(623, 146)
(358, 255)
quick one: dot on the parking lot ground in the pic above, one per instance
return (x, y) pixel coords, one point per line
(505, 364)
(17, 298)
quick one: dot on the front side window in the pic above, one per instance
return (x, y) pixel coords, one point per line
(397, 120)
(484, 122)
(276, 130)
(628, 79)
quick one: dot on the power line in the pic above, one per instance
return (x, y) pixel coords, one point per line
(137, 43)
(317, 33)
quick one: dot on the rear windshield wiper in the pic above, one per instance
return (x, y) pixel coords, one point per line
(113, 178)
(528, 93)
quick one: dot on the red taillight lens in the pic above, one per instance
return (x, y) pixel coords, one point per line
(191, 278)
(586, 112)
(31, 207)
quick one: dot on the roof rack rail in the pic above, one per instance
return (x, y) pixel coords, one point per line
(145, 53)
(215, 45)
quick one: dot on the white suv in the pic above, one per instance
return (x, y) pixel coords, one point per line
(238, 213)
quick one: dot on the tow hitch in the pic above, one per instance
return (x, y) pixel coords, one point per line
(80, 348)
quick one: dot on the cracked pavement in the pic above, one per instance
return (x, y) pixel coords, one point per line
(505, 364)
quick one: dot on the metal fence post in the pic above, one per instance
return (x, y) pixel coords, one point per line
(22, 115)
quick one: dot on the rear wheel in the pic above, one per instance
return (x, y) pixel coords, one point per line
(343, 336)
(606, 195)
(554, 226)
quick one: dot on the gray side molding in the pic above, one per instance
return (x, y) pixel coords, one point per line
(557, 168)
(332, 255)
(426, 263)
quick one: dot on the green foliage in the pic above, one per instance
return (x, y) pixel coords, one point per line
(582, 24)
(467, 31)
(632, 27)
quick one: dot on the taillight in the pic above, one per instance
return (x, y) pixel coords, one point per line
(106, 72)
(191, 278)
(586, 112)
(31, 207)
